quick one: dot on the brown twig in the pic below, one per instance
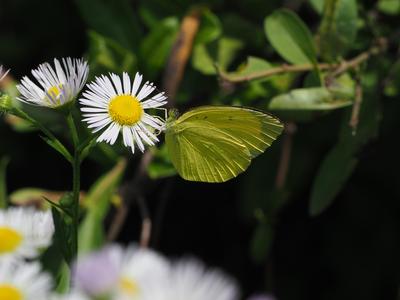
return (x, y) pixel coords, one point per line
(357, 104)
(180, 54)
(337, 68)
(290, 129)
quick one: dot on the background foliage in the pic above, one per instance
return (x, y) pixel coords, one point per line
(316, 216)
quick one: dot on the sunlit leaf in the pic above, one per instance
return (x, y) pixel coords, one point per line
(390, 7)
(209, 30)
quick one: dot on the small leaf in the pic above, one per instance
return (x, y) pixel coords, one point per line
(290, 37)
(390, 7)
(338, 28)
(210, 28)
(261, 242)
(3, 183)
(253, 66)
(221, 52)
(98, 201)
(334, 171)
(156, 46)
(56, 145)
(308, 99)
(63, 235)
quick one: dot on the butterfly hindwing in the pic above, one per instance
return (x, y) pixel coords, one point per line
(216, 143)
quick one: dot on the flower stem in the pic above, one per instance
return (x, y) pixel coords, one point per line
(76, 174)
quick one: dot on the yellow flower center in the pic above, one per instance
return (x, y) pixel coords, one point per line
(9, 240)
(54, 92)
(128, 286)
(125, 110)
(9, 292)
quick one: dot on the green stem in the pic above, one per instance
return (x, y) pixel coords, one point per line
(76, 171)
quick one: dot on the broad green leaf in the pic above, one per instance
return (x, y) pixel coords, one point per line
(53, 262)
(97, 202)
(338, 28)
(390, 7)
(210, 28)
(290, 37)
(156, 46)
(220, 52)
(107, 55)
(161, 165)
(317, 98)
(3, 183)
(113, 19)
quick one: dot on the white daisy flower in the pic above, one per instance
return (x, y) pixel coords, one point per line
(24, 232)
(3, 73)
(191, 280)
(120, 274)
(23, 281)
(73, 295)
(57, 86)
(119, 105)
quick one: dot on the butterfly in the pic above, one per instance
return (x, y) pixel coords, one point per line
(217, 143)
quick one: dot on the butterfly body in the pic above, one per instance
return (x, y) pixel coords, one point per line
(217, 143)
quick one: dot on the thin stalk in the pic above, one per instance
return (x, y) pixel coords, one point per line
(76, 180)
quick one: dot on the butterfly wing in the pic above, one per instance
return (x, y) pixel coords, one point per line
(216, 143)
(255, 129)
(204, 153)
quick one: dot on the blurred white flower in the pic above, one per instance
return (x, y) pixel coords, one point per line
(261, 297)
(3, 73)
(73, 295)
(191, 280)
(119, 104)
(24, 232)
(57, 86)
(118, 273)
(23, 281)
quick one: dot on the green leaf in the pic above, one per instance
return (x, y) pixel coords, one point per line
(334, 171)
(318, 5)
(63, 235)
(161, 165)
(3, 183)
(56, 144)
(317, 98)
(252, 67)
(106, 54)
(290, 37)
(156, 46)
(221, 53)
(97, 201)
(390, 7)
(210, 28)
(113, 19)
(34, 196)
(338, 28)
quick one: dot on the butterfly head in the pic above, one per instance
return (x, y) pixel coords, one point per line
(173, 114)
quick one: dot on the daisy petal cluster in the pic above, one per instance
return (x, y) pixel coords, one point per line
(3, 73)
(117, 274)
(23, 281)
(24, 232)
(56, 85)
(116, 104)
